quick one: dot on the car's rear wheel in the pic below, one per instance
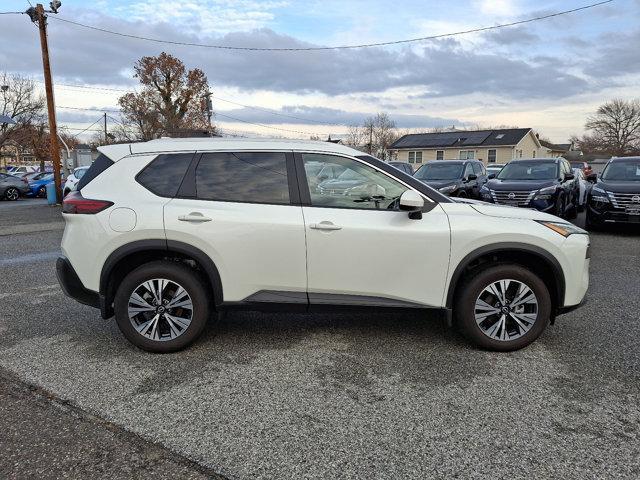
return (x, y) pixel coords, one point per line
(12, 194)
(162, 306)
(42, 191)
(503, 308)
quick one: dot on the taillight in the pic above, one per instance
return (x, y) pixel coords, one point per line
(76, 203)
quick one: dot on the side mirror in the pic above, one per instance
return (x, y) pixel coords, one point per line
(412, 202)
(491, 176)
(569, 176)
(471, 177)
(593, 178)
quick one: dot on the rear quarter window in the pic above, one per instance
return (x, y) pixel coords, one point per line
(164, 174)
(97, 167)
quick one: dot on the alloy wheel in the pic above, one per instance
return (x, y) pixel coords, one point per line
(506, 309)
(160, 309)
(12, 194)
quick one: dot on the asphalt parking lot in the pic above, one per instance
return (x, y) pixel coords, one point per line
(320, 396)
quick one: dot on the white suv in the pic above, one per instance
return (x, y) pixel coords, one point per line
(165, 233)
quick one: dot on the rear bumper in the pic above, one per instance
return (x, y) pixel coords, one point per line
(72, 286)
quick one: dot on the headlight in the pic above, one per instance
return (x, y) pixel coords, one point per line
(545, 193)
(599, 195)
(449, 189)
(564, 229)
(485, 190)
(599, 190)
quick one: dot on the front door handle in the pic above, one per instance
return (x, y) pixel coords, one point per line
(325, 225)
(194, 217)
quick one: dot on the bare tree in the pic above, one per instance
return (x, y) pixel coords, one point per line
(355, 138)
(170, 100)
(615, 128)
(380, 132)
(20, 101)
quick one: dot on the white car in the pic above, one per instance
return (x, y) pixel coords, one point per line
(163, 234)
(72, 181)
(584, 188)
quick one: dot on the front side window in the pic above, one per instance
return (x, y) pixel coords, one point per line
(359, 186)
(468, 170)
(245, 177)
(478, 169)
(492, 155)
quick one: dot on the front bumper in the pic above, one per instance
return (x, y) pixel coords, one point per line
(72, 286)
(607, 214)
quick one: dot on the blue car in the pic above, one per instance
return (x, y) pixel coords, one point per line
(38, 185)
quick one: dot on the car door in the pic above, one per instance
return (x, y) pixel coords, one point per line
(362, 250)
(240, 210)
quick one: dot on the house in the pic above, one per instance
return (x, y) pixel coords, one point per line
(490, 146)
(557, 149)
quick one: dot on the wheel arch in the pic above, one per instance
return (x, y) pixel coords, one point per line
(130, 256)
(540, 261)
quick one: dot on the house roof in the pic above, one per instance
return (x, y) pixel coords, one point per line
(462, 138)
(559, 147)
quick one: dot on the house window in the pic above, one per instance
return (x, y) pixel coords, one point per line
(518, 154)
(492, 155)
(533, 155)
(439, 154)
(467, 154)
(415, 157)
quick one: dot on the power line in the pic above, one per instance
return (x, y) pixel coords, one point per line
(11, 13)
(339, 47)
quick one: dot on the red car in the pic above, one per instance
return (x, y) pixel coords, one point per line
(584, 166)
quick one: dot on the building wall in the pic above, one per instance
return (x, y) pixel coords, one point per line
(504, 154)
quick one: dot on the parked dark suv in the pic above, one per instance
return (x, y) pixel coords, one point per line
(455, 178)
(615, 197)
(546, 184)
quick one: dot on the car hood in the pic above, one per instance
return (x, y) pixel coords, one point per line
(439, 183)
(619, 187)
(516, 185)
(502, 211)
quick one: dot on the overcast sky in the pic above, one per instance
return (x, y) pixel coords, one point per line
(549, 75)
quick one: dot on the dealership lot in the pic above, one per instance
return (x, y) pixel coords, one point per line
(342, 396)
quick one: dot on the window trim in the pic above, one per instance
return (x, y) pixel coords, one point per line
(439, 151)
(495, 155)
(305, 194)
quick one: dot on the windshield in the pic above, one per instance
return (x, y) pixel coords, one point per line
(623, 171)
(529, 171)
(440, 171)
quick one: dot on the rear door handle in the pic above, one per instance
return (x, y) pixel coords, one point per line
(325, 226)
(194, 217)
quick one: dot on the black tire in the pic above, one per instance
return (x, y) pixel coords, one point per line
(182, 275)
(42, 192)
(12, 194)
(560, 206)
(462, 194)
(590, 224)
(471, 289)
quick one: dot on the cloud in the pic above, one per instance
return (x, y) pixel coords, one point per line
(442, 68)
(312, 115)
(512, 36)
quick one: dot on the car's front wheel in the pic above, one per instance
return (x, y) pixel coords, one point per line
(503, 308)
(162, 306)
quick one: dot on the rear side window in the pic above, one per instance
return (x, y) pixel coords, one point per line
(247, 177)
(97, 167)
(164, 174)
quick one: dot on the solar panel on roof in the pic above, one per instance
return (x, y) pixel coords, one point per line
(475, 138)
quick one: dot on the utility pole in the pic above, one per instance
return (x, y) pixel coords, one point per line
(207, 107)
(106, 135)
(38, 16)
